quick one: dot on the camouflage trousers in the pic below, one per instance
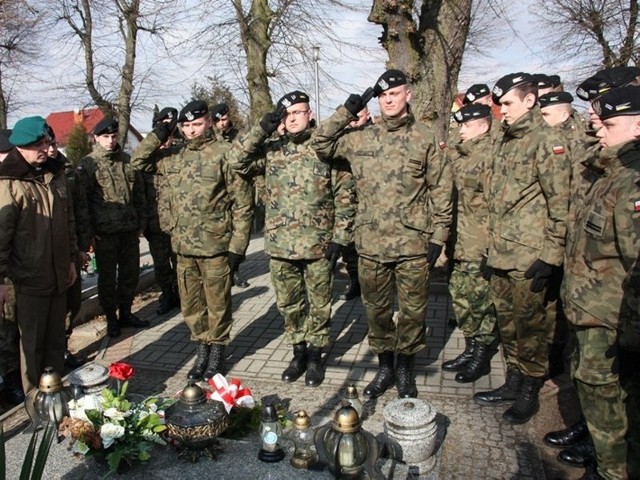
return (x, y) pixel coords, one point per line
(9, 337)
(471, 298)
(303, 297)
(350, 259)
(164, 260)
(522, 322)
(205, 297)
(595, 366)
(379, 281)
(557, 320)
(42, 338)
(117, 255)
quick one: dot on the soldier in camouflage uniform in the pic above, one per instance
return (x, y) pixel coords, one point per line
(470, 293)
(155, 189)
(115, 195)
(210, 222)
(81, 214)
(403, 186)
(547, 83)
(480, 94)
(602, 251)
(309, 216)
(528, 205)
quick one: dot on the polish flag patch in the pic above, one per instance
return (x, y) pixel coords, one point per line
(636, 206)
(442, 145)
(558, 149)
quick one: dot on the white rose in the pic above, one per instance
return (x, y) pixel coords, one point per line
(116, 414)
(109, 433)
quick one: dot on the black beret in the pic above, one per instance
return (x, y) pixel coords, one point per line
(475, 92)
(167, 113)
(219, 111)
(509, 82)
(617, 102)
(554, 98)
(292, 98)
(472, 112)
(5, 144)
(605, 80)
(106, 125)
(192, 110)
(52, 134)
(389, 79)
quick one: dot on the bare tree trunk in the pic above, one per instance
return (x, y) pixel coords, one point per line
(3, 106)
(255, 36)
(129, 31)
(429, 52)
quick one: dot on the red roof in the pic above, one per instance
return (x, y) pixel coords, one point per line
(63, 122)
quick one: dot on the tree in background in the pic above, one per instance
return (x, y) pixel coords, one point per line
(216, 91)
(78, 144)
(601, 33)
(426, 40)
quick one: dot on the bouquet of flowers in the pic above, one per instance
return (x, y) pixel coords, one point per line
(114, 427)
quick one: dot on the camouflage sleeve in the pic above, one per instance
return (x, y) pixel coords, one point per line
(84, 177)
(140, 200)
(246, 156)
(81, 214)
(440, 184)
(627, 227)
(327, 140)
(71, 221)
(344, 202)
(241, 194)
(143, 159)
(8, 221)
(553, 171)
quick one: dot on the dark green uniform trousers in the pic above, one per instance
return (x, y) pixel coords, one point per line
(164, 260)
(118, 260)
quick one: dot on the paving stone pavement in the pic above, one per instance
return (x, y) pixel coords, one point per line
(473, 441)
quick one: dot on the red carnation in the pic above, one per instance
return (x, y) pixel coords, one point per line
(121, 371)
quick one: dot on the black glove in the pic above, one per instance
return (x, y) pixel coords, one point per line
(333, 254)
(235, 260)
(541, 273)
(354, 104)
(485, 269)
(162, 128)
(433, 252)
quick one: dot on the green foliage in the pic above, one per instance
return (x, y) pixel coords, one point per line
(216, 91)
(78, 144)
(244, 421)
(30, 470)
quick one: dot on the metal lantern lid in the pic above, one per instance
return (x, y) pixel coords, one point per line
(193, 394)
(50, 381)
(351, 392)
(302, 420)
(346, 420)
(269, 413)
(89, 375)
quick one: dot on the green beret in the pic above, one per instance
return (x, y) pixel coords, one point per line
(28, 130)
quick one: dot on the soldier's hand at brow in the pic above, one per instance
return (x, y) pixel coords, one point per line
(72, 274)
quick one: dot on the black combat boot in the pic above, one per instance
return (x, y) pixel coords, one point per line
(72, 361)
(216, 361)
(384, 378)
(580, 455)
(591, 473)
(405, 379)
(353, 290)
(13, 392)
(128, 319)
(463, 359)
(113, 327)
(569, 436)
(506, 393)
(479, 365)
(200, 365)
(527, 404)
(238, 280)
(315, 369)
(167, 301)
(298, 364)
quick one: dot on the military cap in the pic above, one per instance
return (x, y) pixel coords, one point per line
(50, 132)
(389, 79)
(472, 112)
(5, 144)
(554, 98)
(105, 126)
(546, 81)
(192, 110)
(475, 92)
(292, 98)
(617, 102)
(219, 111)
(28, 130)
(167, 113)
(605, 80)
(508, 82)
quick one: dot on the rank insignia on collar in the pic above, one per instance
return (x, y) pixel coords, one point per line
(558, 149)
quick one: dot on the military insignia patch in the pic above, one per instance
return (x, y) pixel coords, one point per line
(383, 84)
(636, 206)
(189, 116)
(442, 145)
(286, 102)
(558, 149)
(497, 91)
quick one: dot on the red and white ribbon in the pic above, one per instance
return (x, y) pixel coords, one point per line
(231, 394)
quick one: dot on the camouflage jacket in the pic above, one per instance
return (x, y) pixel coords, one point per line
(403, 184)
(528, 195)
(470, 163)
(114, 192)
(308, 203)
(228, 136)
(210, 206)
(37, 227)
(607, 240)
